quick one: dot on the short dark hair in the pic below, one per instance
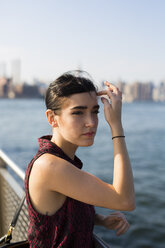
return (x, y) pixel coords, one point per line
(67, 84)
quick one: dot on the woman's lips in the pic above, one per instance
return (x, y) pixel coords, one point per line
(89, 134)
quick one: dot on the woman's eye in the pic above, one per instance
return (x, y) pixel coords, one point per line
(77, 113)
(96, 112)
(81, 113)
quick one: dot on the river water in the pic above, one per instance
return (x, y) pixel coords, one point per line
(23, 121)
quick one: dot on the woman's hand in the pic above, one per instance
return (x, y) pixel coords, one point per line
(114, 221)
(112, 108)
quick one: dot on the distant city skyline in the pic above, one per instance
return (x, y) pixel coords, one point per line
(137, 91)
(113, 40)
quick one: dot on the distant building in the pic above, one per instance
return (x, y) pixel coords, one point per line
(159, 93)
(42, 86)
(6, 88)
(16, 71)
(121, 85)
(30, 91)
(128, 93)
(142, 91)
(126, 89)
(147, 90)
(2, 69)
(2, 84)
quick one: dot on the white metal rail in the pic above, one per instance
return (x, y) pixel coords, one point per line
(6, 160)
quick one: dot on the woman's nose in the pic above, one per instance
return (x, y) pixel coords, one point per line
(90, 121)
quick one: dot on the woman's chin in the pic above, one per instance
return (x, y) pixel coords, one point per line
(87, 143)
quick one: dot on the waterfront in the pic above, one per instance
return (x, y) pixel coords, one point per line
(23, 121)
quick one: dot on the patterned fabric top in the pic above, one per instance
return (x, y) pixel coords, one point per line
(72, 225)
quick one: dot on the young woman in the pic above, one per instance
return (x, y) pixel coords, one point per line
(60, 196)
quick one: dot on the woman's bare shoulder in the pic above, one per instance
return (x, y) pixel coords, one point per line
(45, 171)
(48, 162)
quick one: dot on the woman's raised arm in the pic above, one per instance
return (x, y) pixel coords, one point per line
(122, 178)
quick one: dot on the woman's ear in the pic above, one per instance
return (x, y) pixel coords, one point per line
(51, 117)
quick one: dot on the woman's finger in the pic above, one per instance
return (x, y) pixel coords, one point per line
(106, 103)
(109, 93)
(102, 92)
(123, 229)
(118, 214)
(112, 87)
(119, 224)
(111, 222)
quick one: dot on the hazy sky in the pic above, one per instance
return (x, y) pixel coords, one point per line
(111, 39)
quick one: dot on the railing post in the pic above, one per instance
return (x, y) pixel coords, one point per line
(2, 165)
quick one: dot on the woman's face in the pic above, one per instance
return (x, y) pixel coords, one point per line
(78, 120)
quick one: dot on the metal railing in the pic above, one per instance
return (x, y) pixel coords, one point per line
(10, 195)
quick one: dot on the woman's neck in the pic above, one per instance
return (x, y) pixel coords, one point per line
(68, 148)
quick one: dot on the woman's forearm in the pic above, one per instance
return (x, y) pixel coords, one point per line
(123, 177)
(99, 219)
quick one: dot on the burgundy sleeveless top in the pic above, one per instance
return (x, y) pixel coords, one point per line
(72, 225)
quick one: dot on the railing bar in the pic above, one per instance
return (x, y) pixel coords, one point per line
(12, 165)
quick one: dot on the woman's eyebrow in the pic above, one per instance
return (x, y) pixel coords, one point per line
(79, 107)
(85, 107)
